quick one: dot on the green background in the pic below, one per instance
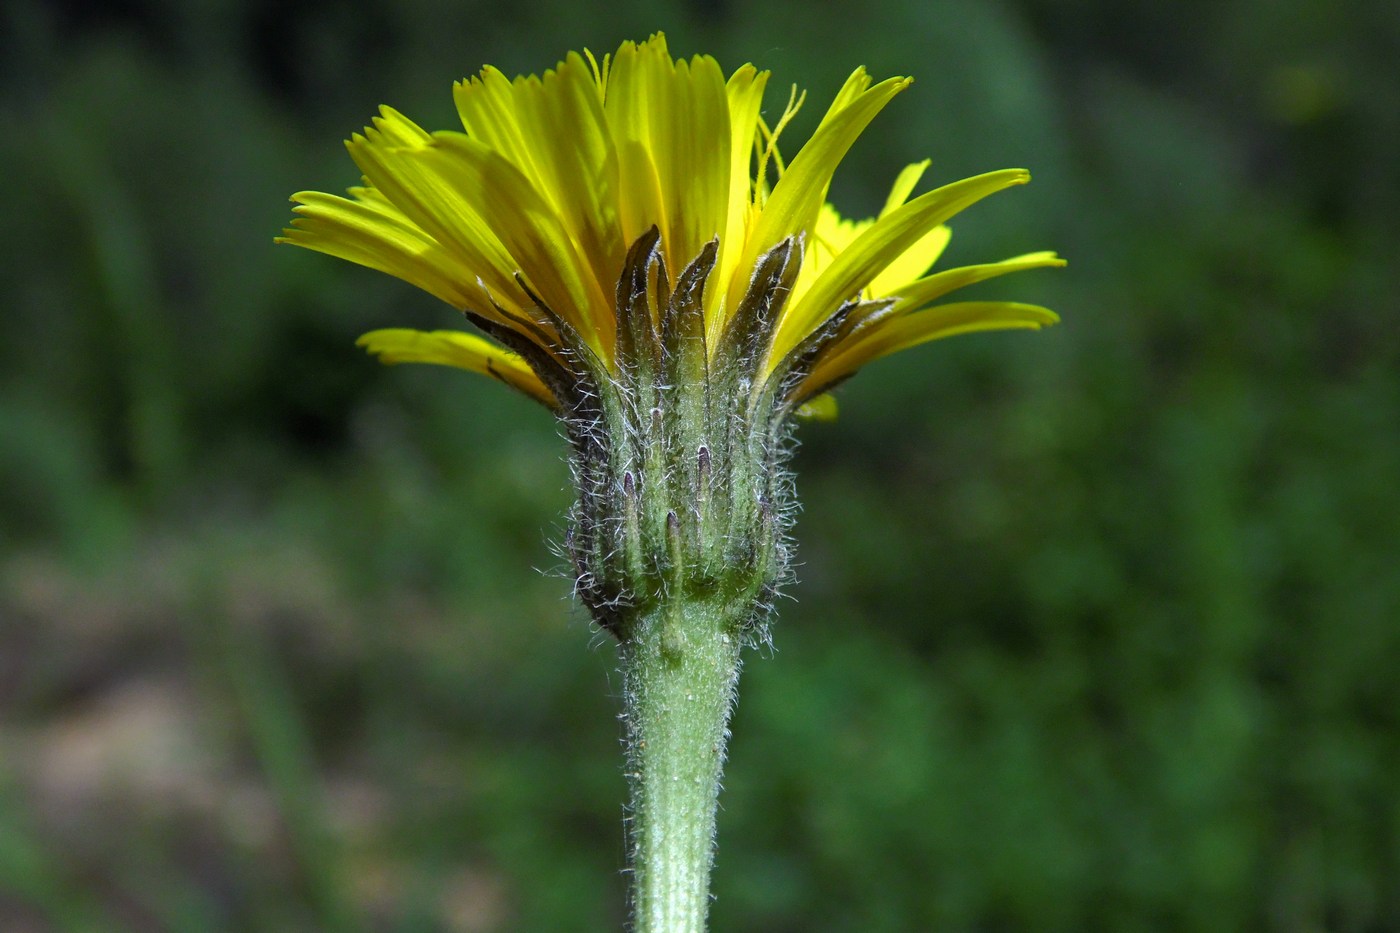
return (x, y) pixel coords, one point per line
(1095, 629)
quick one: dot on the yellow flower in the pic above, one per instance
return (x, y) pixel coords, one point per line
(526, 219)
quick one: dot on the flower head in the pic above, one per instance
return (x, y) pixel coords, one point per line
(646, 264)
(524, 220)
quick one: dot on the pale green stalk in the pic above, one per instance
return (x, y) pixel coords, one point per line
(680, 669)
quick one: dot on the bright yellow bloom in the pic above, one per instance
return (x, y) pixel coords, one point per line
(648, 266)
(525, 219)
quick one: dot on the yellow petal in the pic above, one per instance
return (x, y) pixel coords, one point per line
(799, 194)
(369, 231)
(672, 126)
(627, 104)
(488, 107)
(470, 191)
(399, 130)
(526, 120)
(904, 185)
(895, 333)
(819, 408)
(692, 139)
(438, 208)
(914, 294)
(829, 236)
(455, 348)
(912, 263)
(886, 240)
(745, 92)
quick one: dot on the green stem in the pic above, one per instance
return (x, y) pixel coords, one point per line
(680, 666)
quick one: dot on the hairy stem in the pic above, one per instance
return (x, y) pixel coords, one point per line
(680, 668)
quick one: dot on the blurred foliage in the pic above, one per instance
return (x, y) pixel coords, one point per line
(1096, 629)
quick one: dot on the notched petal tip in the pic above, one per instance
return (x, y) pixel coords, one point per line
(387, 343)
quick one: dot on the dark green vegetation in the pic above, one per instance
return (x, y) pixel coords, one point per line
(1097, 628)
